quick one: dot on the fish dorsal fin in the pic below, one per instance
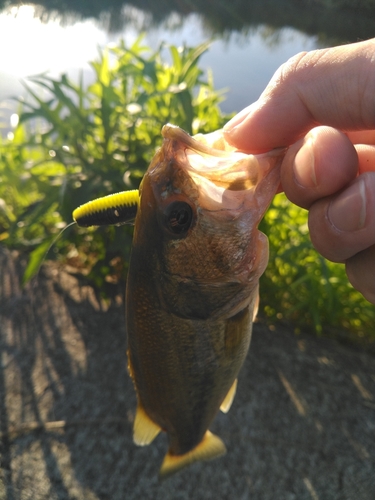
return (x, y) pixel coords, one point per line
(209, 448)
(144, 430)
(228, 400)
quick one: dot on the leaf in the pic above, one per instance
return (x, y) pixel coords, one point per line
(36, 259)
(176, 58)
(193, 57)
(185, 100)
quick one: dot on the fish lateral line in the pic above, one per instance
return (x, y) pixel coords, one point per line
(113, 209)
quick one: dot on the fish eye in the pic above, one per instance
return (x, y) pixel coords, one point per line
(179, 218)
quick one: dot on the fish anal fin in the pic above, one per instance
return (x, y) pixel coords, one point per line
(209, 448)
(228, 400)
(144, 429)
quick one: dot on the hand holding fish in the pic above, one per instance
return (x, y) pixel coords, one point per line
(322, 105)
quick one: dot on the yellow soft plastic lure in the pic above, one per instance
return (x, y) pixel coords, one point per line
(114, 209)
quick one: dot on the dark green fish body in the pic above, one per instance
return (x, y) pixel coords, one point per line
(192, 288)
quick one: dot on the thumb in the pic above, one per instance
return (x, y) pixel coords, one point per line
(332, 87)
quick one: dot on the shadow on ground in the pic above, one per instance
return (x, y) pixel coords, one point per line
(302, 425)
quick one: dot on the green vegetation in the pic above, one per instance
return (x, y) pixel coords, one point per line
(75, 144)
(302, 287)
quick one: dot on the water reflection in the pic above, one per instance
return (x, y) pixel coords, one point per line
(336, 21)
(242, 63)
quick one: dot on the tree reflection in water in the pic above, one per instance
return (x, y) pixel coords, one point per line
(331, 22)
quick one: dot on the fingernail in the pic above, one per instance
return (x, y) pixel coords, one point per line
(348, 211)
(239, 117)
(304, 166)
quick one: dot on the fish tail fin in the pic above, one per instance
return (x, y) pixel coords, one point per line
(209, 448)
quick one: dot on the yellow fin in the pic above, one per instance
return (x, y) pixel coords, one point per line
(256, 307)
(144, 430)
(210, 447)
(228, 400)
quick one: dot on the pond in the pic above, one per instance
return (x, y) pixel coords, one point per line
(249, 39)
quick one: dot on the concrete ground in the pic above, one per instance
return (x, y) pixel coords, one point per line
(302, 425)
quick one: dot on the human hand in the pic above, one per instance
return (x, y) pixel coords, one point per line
(322, 105)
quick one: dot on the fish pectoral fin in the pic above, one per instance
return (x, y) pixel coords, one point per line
(144, 429)
(228, 400)
(256, 306)
(209, 448)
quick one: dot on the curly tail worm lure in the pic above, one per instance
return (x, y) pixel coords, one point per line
(114, 209)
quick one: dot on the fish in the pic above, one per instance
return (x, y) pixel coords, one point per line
(192, 287)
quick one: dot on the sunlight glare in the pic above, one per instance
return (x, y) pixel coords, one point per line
(35, 47)
(14, 119)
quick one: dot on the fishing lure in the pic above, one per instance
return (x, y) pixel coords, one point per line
(114, 209)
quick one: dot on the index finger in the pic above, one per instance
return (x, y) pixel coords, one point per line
(334, 87)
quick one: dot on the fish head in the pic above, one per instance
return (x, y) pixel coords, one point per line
(200, 206)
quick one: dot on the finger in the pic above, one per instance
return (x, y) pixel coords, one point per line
(321, 164)
(362, 136)
(366, 158)
(332, 86)
(343, 225)
(361, 272)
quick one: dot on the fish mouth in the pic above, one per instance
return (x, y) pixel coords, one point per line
(227, 179)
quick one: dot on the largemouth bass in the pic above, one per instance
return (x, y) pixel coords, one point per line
(192, 287)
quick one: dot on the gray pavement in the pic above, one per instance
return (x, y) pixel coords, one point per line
(302, 425)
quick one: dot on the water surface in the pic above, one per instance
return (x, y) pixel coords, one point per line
(241, 62)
